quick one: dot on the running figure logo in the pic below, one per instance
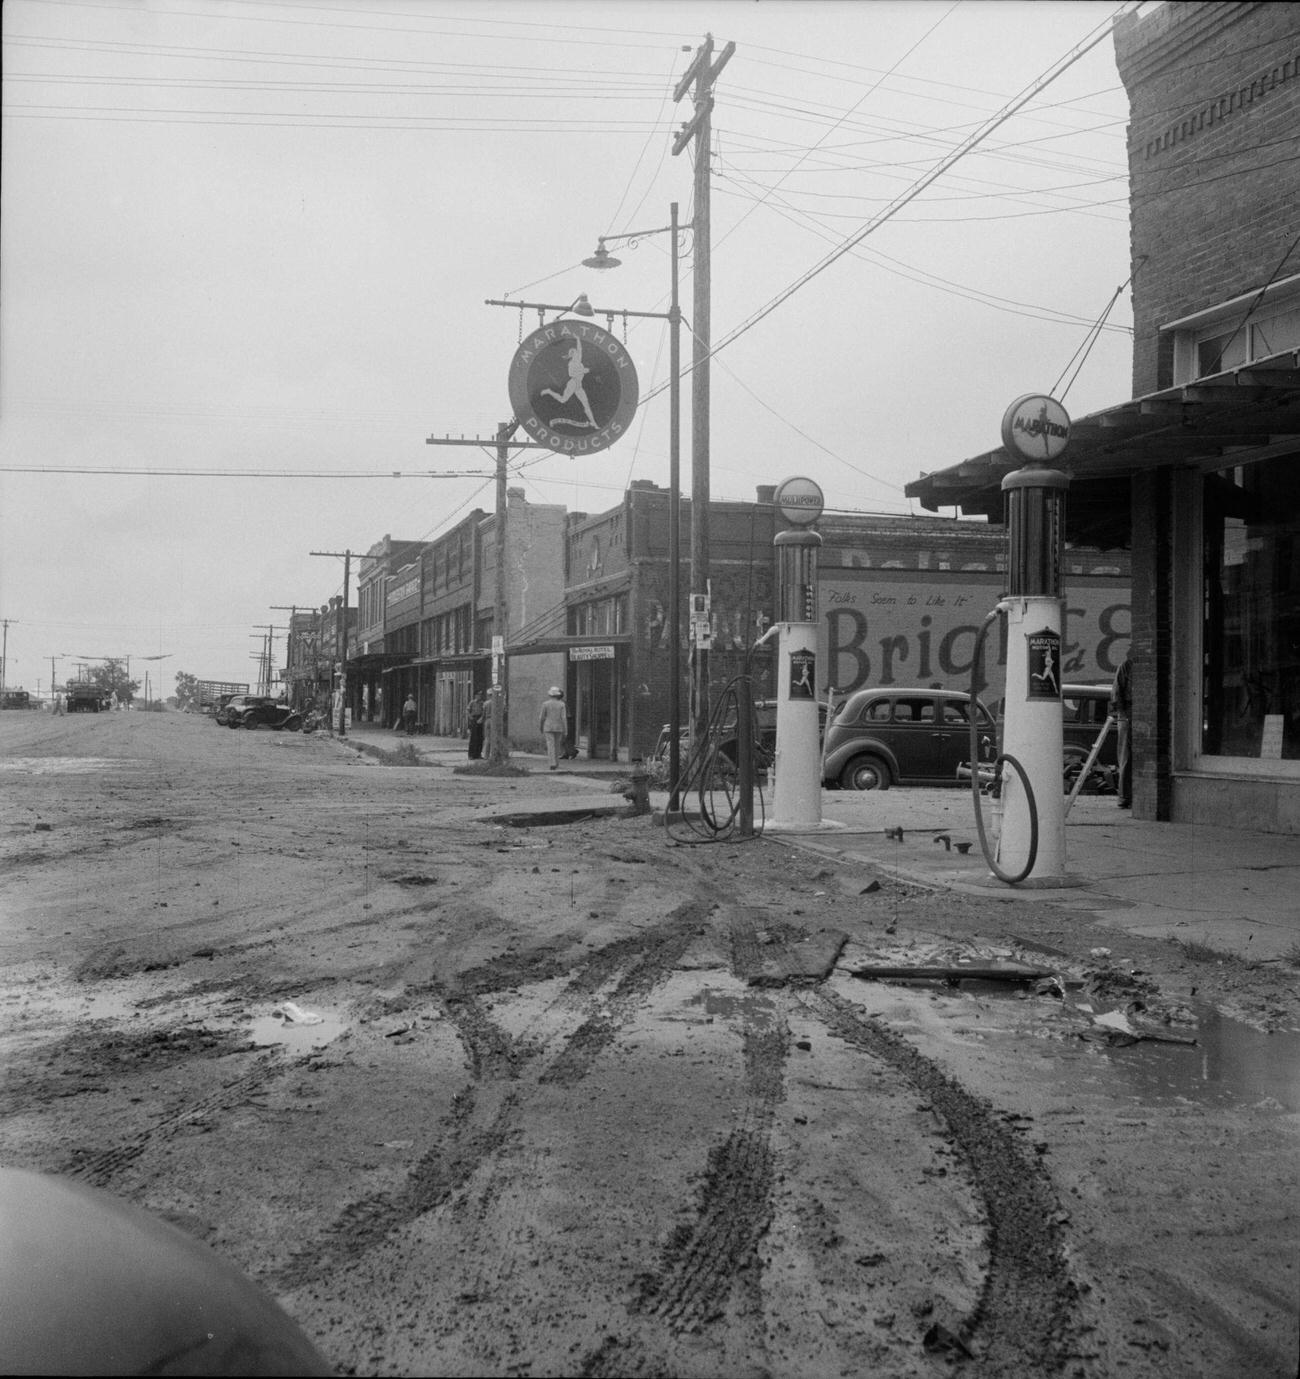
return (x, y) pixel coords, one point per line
(1044, 650)
(577, 372)
(573, 386)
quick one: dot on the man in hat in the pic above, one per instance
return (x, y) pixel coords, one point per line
(552, 723)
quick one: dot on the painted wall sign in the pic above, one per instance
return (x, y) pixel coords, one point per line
(803, 675)
(1035, 427)
(1044, 664)
(918, 627)
(573, 386)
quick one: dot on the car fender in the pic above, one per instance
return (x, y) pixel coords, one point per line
(837, 759)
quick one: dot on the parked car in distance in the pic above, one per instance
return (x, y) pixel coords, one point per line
(904, 736)
(231, 713)
(262, 710)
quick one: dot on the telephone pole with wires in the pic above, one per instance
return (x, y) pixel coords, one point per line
(701, 74)
(342, 640)
(503, 441)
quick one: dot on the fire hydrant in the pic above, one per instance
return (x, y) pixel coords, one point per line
(638, 791)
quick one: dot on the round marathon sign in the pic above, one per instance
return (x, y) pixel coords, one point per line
(1035, 427)
(573, 387)
(799, 500)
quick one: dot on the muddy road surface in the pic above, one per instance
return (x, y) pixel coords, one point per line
(475, 1098)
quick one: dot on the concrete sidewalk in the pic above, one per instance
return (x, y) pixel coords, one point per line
(1233, 890)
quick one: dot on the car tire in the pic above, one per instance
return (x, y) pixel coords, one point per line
(293, 722)
(865, 773)
(249, 721)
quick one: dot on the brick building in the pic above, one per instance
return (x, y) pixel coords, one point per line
(1200, 472)
(924, 584)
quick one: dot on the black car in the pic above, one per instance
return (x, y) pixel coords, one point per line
(255, 711)
(904, 736)
(764, 727)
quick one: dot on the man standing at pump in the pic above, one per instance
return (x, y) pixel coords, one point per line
(1121, 706)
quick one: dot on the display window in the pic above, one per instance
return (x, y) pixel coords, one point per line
(1250, 633)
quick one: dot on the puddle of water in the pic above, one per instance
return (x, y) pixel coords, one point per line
(291, 1034)
(1229, 1062)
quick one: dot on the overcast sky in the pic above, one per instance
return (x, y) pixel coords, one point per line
(251, 240)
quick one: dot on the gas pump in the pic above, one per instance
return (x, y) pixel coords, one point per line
(797, 795)
(1031, 844)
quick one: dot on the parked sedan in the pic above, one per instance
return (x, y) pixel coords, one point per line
(904, 736)
(256, 710)
(233, 703)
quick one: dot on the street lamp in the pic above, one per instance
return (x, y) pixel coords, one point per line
(600, 260)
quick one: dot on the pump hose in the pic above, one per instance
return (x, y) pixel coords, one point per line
(1010, 878)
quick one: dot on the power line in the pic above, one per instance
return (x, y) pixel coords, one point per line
(245, 473)
(936, 172)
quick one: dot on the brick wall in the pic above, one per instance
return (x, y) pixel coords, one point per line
(1214, 91)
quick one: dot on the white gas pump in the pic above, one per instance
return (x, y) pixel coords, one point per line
(1031, 846)
(797, 795)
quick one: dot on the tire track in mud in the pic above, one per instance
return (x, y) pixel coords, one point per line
(715, 1247)
(733, 1210)
(486, 1115)
(1023, 1321)
(654, 957)
(99, 1169)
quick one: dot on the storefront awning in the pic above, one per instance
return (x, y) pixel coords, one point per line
(1246, 414)
(380, 660)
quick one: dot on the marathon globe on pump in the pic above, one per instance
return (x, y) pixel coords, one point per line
(573, 386)
(800, 501)
(1035, 428)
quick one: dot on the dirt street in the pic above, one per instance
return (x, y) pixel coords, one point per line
(581, 1101)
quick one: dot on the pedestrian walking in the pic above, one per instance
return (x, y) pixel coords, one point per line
(409, 711)
(552, 723)
(1121, 706)
(476, 714)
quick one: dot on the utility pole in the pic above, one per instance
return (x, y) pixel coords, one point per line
(702, 73)
(497, 752)
(346, 557)
(292, 610)
(4, 652)
(263, 681)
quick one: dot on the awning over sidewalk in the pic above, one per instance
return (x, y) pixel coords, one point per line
(1249, 413)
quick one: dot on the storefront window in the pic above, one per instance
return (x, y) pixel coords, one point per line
(1251, 639)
